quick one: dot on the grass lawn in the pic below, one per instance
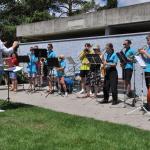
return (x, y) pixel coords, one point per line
(25, 127)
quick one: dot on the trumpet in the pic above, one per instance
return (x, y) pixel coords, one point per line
(139, 50)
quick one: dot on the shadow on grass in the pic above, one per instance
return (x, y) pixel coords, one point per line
(10, 105)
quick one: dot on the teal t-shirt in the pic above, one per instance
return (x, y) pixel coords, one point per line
(147, 61)
(129, 53)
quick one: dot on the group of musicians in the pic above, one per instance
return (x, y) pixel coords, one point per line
(39, 67)
(109, 62)
(90, 74)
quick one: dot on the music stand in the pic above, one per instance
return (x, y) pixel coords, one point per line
(123, 60)
(40, 53)
(7, 71)
(23, 59)
(142, 65)
(94, 59)
(72, 62)
(51, 63)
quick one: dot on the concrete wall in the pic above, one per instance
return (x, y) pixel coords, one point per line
(72, 47)
(97, 20)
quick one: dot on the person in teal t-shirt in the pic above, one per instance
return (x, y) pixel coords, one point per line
(111, 77)
(128, 68)
(145, 53)
(61, 73)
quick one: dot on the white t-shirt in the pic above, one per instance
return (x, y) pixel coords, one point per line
(4, 50)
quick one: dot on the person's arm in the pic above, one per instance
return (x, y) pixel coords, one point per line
(82, 55)
(114, 63)
(144, 53)
(62, 68)
(8, 50)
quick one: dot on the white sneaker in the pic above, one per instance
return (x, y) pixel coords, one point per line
(82, 91)
(91, 93)
(2, 110)
(66, 94)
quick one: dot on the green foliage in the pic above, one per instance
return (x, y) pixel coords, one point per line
(89, 6)
(16, 12)
(70, 7)
(8, 33)
(112, 4)
(39, 16)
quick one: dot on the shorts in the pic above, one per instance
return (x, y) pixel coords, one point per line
(93, 78)
(147, 79)
(84, 73)
(1, 70)
(31, 75)
(13, 75)
(127, 74)
(61, 79)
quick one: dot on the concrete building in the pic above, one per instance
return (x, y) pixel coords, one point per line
(69, 35)
(130, 19)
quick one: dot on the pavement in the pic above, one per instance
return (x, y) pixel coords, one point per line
(87, 107)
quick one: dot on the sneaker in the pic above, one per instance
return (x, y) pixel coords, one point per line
(82, 91)
(66, 94)
(115, 102)
(2, 110)
(59, 92)
(91, 93)
(104, 101)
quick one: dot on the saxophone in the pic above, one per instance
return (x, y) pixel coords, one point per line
(42, 61)
(103, 68)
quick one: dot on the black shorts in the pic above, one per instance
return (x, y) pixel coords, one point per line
(127, 74)
(147, 79)
(84, 73)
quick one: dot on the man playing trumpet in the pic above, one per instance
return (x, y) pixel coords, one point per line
(85, 65)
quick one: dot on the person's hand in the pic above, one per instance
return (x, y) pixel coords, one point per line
(104, 63)
(121, 65)
(142, 51)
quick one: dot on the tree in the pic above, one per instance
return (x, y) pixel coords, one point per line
(112, 4)
(109, 4)
(69, 7)
(89, 6)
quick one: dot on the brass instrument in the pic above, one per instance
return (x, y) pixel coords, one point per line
(42, 63)
(143, 48)
(137, 53)
(103, 67)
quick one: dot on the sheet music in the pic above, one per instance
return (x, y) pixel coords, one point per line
(140, 61)
(70, 60)
(14, 69)
(17, 69)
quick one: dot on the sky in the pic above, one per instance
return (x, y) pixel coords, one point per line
(122, 3)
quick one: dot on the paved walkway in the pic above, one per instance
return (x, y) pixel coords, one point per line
(83, 107)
